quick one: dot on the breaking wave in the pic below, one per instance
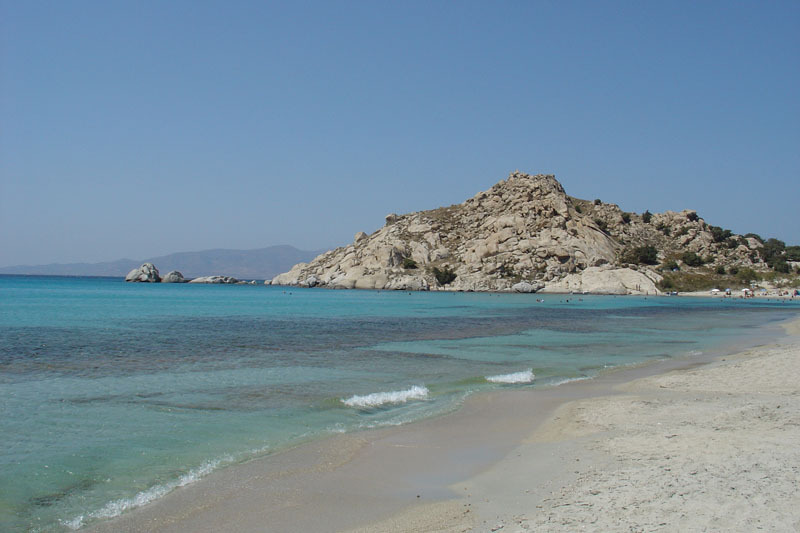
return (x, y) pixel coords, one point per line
(117, 507)
(526, 376)
(382, 398)
(569, 380)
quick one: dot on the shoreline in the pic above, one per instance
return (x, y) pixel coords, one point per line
(378, 479)
(705, 447)
(772, 293)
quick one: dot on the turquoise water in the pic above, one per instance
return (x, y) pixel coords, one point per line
(113, 394)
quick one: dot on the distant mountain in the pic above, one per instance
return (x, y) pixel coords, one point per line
(261, 263)
(107, 268)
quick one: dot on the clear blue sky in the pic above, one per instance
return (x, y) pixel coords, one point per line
(134, 129)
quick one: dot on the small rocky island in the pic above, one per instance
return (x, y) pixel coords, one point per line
(148, 273)
(526, 234)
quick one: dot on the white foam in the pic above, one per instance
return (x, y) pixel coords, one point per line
(526, 376)
(382, 398)
(73, 524)
(117, 507)
(569, 380)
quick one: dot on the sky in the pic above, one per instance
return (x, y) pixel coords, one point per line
(136, 129)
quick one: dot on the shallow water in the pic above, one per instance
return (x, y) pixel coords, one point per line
(113, 394)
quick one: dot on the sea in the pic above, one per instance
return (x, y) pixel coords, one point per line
(114, 394)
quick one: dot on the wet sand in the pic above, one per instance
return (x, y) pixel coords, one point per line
(649, 448)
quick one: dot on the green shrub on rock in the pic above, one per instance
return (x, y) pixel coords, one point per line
(444, 276)
(746, 275)
(643, 255)
(601, 224)
(692, 259)
(772, 253)
(719, 234)
(670, 265)
(780, 265)
(666, 284)
(793, 253)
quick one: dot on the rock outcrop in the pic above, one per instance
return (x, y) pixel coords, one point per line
(173, 277)
(147, 273)
(524, 286)
(524, 234)
(524, 229)
(607, 280)
(216, 280)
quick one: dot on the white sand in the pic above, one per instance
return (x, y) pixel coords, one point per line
(711, 449)
(772, 293)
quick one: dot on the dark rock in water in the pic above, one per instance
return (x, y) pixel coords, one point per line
(173, 277)
(147, 273)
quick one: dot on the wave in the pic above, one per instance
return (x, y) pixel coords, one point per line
(564, 381)
(526, 376)
(382, 398)
(117, 507)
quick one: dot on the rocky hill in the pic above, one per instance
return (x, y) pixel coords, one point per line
(527, 234)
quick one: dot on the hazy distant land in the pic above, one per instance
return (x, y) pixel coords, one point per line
(260, 263)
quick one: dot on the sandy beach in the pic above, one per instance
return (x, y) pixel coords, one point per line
(681, 445)
(782, 295)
